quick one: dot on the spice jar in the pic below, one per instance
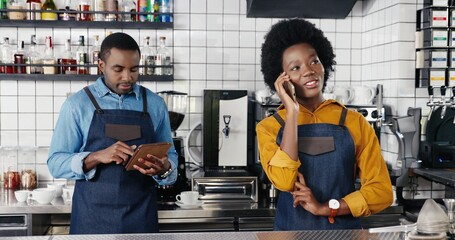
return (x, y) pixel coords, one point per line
(11, 179)
(29, 179)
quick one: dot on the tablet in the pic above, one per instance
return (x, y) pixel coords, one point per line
(156, 149)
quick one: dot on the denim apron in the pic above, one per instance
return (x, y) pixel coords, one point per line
(116, 200)
(327, 155)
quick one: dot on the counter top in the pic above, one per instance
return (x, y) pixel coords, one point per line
(9, 205)
(323, 235)
(440, 175)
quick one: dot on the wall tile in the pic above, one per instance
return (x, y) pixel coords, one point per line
(247, 39)
(230, 55)
(197, 71)
(198, 6)
(215, 6)
(215, 72)
(247, 56)
(198, 54)
(8, 104)
(247, 24)
(214, 55)
(231, 22)
(230, 72)
(181, 54)
(182, 21)
(181, 38)
(198, 39)
(232, 6)
(198, 22)
(214, 22)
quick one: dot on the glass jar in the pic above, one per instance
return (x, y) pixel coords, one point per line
(11, 176)
(29, 179)
(11, 179)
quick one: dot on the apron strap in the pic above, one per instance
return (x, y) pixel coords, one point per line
(92, 99)
(144, 102)
(279, 119)
(343, 116)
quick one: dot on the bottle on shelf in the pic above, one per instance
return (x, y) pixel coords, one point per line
(33, 57)
(94, 70)
(165, 11)
(67, 61)
(16, 5)
(163, 59)
(98, 6)
(7, 56)
(47, 7)
(147, 58)
(84, 6)
(33, 5)
(3, 6)
(156, 8)
(129, 6)
(67, 13)
(81, 57)
(19, 58)
(48, 59)
(111, 6)
(142, 7)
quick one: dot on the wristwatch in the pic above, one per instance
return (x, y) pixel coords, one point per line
(167, 173)
(334, 205)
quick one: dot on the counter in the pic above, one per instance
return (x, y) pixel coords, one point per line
(440, 175)
(209, 217)
(314, 235)
(9, 204)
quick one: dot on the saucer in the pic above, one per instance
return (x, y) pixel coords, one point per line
(189, 206)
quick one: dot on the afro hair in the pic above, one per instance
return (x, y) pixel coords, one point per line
(287, 33)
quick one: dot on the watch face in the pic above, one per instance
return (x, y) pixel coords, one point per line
(334, 204)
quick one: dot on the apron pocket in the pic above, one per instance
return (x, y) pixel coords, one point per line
(123, 132)
(316, 145)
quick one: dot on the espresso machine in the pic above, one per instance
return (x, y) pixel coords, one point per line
(226, 141)
(176, 103)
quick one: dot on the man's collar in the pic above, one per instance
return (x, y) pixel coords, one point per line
(102, 90)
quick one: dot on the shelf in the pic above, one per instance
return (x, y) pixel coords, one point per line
(85, 24)
(74, 77)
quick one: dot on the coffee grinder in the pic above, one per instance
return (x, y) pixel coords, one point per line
(176, 103)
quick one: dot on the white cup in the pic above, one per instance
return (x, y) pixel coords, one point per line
(42, 195)
(342, 94)
(21, 195)
(68, 193)
(363, 95)
(188, 197)
(58, 187)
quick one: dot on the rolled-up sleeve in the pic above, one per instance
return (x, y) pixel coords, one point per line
(278, 166)
(375, 193)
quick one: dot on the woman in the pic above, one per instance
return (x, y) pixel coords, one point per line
(314, 149)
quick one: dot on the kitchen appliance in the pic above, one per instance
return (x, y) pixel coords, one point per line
(438, 149)
(407, 129)
(225, 129)
(263, 109)
(372, 115)
(222, 189)
(176, 103)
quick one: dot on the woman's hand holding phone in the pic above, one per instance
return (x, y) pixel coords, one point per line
(286, 91)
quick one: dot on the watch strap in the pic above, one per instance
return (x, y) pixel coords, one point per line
(333, 213)
(167, 173)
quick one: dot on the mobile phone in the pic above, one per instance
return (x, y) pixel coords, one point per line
(157, 149)
(290, 90)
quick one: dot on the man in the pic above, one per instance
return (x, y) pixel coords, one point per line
(96, 133)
